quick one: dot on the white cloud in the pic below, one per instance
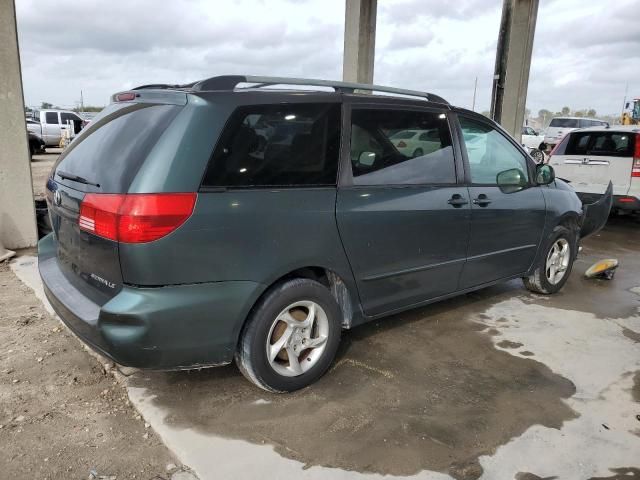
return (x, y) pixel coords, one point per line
(584, 53)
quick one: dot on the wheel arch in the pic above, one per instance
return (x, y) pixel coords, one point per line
(569, 219)
(346, 298)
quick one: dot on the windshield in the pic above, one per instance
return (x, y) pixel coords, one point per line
(110, 152)
(564, 123)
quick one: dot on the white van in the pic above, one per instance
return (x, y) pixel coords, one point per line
(560, 126)
(588, 158)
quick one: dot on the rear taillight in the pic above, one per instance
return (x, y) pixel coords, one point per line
(401, 144)
(553, 150)
(125, 97)
(635, 169)
(135, 218)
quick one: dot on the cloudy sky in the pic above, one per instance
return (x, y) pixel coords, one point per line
(584, 53)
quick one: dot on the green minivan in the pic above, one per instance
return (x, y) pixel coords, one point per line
(254, 218)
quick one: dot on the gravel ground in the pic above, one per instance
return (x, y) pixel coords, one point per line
(62, 416)
(40, 167)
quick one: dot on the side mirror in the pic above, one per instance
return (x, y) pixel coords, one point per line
(367, 159)
(626, 105)
(511, 181)
(545, 174)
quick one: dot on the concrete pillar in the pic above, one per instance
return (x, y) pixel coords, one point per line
(513, 62)
(17, 212)
(359, 40)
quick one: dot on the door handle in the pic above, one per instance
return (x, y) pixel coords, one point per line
(482, 200)
(457, 200)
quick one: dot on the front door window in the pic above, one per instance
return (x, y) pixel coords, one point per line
(489, 152)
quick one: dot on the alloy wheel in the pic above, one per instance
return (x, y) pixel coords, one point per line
(297, 338)
(558, 261)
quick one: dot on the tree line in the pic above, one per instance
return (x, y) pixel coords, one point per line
(51, 106)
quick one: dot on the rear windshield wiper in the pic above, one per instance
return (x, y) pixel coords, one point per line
(76, 178)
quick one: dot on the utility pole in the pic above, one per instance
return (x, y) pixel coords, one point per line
(359, 40)
(513, 62)
(17, 213)
(81, 102)
(475, 91)
(624, 102)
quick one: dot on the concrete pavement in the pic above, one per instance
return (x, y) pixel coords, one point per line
(498, 384)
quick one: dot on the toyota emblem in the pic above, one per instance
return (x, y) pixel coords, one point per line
(57, 198)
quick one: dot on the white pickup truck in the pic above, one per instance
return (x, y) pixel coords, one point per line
(591, 157)
(49, 125)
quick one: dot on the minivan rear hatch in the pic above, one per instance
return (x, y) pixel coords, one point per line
(590, 159)
(103, 159)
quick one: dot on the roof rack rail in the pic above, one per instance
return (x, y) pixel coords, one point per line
(230, 82)
(163, 85)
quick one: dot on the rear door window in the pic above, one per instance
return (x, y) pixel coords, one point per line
(609, 144)
(382, 156)
(111, 152)
(51, 118)
(282, 145)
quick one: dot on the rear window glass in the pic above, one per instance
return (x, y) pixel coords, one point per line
(610, 144)
(278, 145)
(51, 118)
(564, 123)
(112, 150)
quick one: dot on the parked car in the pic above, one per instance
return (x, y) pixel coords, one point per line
(560, 126)
(49, 124)
(36, 144)
(416, 143)
(532, 139)
(589, 158)
(189, 231)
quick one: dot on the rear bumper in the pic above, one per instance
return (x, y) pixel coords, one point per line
(173, 327)
(620, 202)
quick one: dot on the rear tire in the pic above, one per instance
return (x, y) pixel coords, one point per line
(275, 350)
(555, 264)
(418, 152)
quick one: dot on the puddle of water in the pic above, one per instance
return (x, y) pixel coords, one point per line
(625, 473)
(421, 392)
(599, 359)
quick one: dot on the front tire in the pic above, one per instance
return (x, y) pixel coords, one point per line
(537, 155)
(291, 336)
(554, 266)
